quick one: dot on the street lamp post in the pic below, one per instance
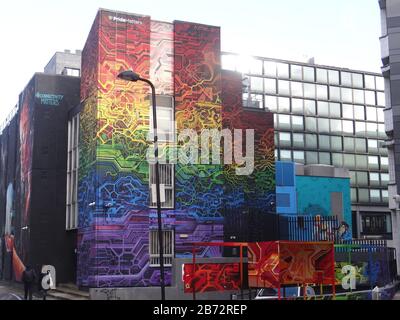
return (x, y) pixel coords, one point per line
(134, 77)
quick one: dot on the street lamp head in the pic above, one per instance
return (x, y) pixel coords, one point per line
(129, 75)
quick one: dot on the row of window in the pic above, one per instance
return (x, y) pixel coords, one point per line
(313, 91)
(329, 143)
(366, 179)
(301, 73)
(329, 126)
(340, 160)
(322, 108)
(361, 195)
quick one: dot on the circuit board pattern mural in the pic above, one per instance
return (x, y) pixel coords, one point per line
(113, 241)
(197, 79)
(211, 277)
(258, 189)
(276, 264)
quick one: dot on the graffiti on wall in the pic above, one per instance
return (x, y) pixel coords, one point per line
(211, 277)
(275, 264)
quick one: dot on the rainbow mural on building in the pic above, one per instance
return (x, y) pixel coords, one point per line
(183, 61)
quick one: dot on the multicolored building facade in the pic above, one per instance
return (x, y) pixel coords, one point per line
(116, 214)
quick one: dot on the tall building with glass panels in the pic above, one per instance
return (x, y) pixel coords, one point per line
(327, 115)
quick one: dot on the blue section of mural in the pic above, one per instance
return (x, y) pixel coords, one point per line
(286, 199)
(314, 196)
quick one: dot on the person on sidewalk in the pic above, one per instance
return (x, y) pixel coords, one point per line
(28, 278)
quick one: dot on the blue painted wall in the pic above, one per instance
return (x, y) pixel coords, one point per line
(314, 196)
(286, 202)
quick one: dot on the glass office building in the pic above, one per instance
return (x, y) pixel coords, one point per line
(327, 115)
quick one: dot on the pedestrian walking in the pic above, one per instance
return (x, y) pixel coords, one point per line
(28, 278)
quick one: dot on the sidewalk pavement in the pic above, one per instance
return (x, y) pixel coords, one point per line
(10, 290)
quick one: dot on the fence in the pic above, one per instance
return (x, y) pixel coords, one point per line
(311, 229)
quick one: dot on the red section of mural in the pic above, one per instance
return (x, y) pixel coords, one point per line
(211, 277)
(275, 264)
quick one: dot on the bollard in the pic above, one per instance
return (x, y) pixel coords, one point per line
(376, 295)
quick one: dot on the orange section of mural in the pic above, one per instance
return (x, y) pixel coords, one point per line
(276, 264)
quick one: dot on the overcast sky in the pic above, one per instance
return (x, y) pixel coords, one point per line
(342, 33)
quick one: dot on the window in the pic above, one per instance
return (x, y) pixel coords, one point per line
(323, 125)
(297, 123)
(372, 130)
(362, 179)
(334, 110)
(167, 181)
(256, 66)
(385, 179)
(283, 70)
(298, 140)
(284, 121)
(309, 74)
(284, 87)
(322, 92)
(363, 195)
(72, 174)
(311, 141)
(309, 90)
(376, 224)
(310, 107)
(385, 196)
(357, 80)
(311, 157)
(353, 195)
(270, 86)
(348, 111)
(165, 119)
(371, 114)
(325, 158)
(298, 156)
(360, 129)
(333, 76)
(286, 155)
(270, 68)
(346, 79)
(384, 163)
(285, 139)
(323, 109)
(372, 146)
(353, 178)
(359, 96)
(336, 143)
(381, 99)
(324, 142)
(257, 84)
(375, 195)
(361, 162)
(296, 72)
(311, 124)
(370, 82)
(297, 106)
(370, 97)
(361, 145)
(374, 179)
(322, 76)
(336, 126)
(359, 113)
(348, 127)
(381, 115)
(284, 104)
(271, 103)
(348, 144)
(373, 162)
(297, 89)
(347, 95)
(168, 245)
(334, 93)
(380, 83)
(71, 72)
(337, 160)
(349, 161)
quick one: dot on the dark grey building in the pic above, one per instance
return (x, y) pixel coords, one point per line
(66, 63)
(390, 52)
(327, 115)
